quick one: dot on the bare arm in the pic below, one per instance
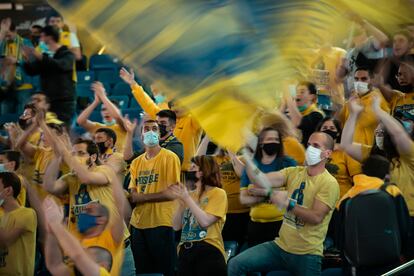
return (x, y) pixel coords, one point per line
(248, 200)
(295, 115)
(76, 52)
(36, 204)
(352, 149)
(313, 216)
(178, 217)
(22, 143)
(238, 165)
(84, 115)
(117, 230)
(54, 257)
(379, 36)
(203, 218)
(51, 183)
(130, 128)
(202, 148)
(140, 198)
(10, 236)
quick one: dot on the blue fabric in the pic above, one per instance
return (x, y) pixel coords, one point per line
(269, 256)
(128, 265)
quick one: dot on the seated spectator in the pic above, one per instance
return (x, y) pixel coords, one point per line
(56, 74)
(365, 93)
(265, 218)
(303, 111)
(311, 196)
(340, 164)
(17, 229)
(112, 117)
(187, 129)
(397, 146)
(10, 162)
(11, 73)
(200, 217)
(231, 169)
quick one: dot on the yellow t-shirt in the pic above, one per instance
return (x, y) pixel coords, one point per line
(294, 149)
(27, 167)
(403, 102)
(343, 168)
(153, 176)
(106, 241)
(296, 236)
(42, 158)
(115, 160)
(213, 202)
(18, 258)
(231, 184)
(103, 272)
(265, 212)
(187, 130)
(367, 120)
(119, 131)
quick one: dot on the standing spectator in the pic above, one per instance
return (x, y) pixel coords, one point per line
(311, 196)
(151, 223)
(187, 129)
(303, 112)
(201, 216)
(265, 218)
(11, 73)
(365, 93)
(17, 230)
(35, 32)
(112, 117)
(55, 74)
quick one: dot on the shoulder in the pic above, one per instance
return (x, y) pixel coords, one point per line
(166, 153)
(327, 178)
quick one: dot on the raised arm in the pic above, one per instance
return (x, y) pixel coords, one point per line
(238, 165)
(128, 147)
(22, 143)
(380, 37)
(4, 27)
(51, 183)
(352, 149)
(83, 118)
(54, 257)
(295, 115)
(117, 230)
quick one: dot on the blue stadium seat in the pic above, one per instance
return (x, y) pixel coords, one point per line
(102, 62)
(122, 100)
(8, 118)
(84, 90)
(324, 102)
(78, 131)
(85, 76)
(231, 247)
(332, 272)
(110, 76)
(279, 273)
(96, 116)
(134, 104)
(121, 88)
(132, 113)
(35, 81)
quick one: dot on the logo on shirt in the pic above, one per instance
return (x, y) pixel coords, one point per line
(145, 178)
(290, 218)
(192, 231)
(82, 199)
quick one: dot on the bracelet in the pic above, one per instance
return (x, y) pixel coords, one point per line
(291, 205)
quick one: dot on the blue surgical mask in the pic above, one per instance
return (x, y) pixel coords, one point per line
(151, 138)
(2, 168)
(110, 123)
(302, 108)
(86, 222)
(159, 99)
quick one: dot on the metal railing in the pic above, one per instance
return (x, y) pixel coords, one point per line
(402, 268)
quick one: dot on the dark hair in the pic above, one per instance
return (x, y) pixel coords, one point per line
(258, 155)
(171, 103)
(376, 166)
(91, 147)
(150, 121)
(12, 27)
(210, 170)
(30, 106)
(10, 179)
(57, 127)
(109, 132)
(166, 113)
(404, 33)
(363, 68)
(37, 27)
(12, 155)
(336, 123)
(52, 32)
(310, 85)
(53, 14)
(47, 99)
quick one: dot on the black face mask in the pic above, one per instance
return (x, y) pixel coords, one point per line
(271, 148)
(333, 134)
(191, 176)
(24, 123)
(35, 40)
(102, 147)
(406, 88)
(163, 130)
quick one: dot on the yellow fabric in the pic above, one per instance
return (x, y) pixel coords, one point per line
(51, 117)
(296, 236)
(213, 202)
(187, 129)
(18, 258)
(402, 102)
(116, 159)
(153, 176)
(343, 168)
(119, 131)
(103, 272)
(294, 149)
(64, 40)
(265, 212)
(310, 109)
(231, 184)
(106, 241)
(367, 121)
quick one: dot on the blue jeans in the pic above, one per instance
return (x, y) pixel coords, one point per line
(269, 256)
(128, 265)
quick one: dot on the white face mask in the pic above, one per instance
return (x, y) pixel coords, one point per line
(379, 140)
(361, 87)
(313, 156)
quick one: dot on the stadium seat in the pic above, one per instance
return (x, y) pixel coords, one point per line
(35, 81)
(109, 76)
(85, 76)
(132, 113)
(84, 90)
(78, 131)
(150, 274)
(122, 100)
(332, 272)
(230, 247)
(8, 117)
(324, 102)
(102, 62)
(121, 88)
(96, 116)
(134, 104)
(279, 273)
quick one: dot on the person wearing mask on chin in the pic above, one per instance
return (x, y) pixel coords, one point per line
(392, 141)
(265, 218)
(309, 200)
(302, 110)
(152, 174)
(365, 93)
(340, 164)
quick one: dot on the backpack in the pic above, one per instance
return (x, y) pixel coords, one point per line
(372, 235)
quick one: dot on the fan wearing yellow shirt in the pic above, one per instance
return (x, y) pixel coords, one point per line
(365, 93)
(309, 200)
(10, 162)
(111, 115)
(200, 217)
(152, 173)
(187, 129)
(17, 230)
(92, 261)
(394, 143)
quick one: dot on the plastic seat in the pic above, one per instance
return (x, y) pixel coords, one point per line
(96, 116)
(123, 101)
(279, 273)
(84, 90)
(230, 247)
(102, 62)
(8, 118)
(132, 113)
(109, 76)
(121, 88)
(85, 76)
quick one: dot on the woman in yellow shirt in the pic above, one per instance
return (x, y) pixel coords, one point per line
(340, 165)
(201, 215)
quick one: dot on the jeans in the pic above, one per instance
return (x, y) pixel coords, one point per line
(269, 256)
(128, 266)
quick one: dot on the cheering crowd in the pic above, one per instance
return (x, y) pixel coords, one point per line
(98, 204)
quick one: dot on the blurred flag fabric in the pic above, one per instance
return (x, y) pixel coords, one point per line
(225, 60)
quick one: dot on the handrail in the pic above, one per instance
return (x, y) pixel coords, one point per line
(399, 269)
